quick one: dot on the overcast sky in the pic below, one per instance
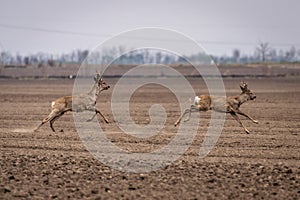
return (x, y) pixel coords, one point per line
(56, 26)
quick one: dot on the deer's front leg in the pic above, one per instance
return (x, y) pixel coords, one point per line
(98, 111)
(92, 117)
(234, 115)
(244, 114)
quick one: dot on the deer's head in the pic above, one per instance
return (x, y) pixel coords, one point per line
(247, 91)
(101, 84)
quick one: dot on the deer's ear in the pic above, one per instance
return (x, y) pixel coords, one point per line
(243, 86)
(98, 74)
(97, 77)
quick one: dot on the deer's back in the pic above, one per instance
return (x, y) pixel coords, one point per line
(75, 103)
(62, 103)
(219, 103)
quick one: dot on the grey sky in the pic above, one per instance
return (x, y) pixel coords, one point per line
(31, 26)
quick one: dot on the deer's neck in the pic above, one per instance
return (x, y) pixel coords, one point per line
(94, 92)
(242, 98)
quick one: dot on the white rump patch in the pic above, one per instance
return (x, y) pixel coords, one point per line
(197, 100)
(52, 104)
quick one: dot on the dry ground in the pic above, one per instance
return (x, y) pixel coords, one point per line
(263, 164)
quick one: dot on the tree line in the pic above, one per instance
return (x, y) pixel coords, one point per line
(263, 53)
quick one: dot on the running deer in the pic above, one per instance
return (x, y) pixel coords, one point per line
(229, 104)
(82, 102)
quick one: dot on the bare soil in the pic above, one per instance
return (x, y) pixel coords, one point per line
(42, 165)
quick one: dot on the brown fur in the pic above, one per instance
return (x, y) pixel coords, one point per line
(82, 102)
(229, 104)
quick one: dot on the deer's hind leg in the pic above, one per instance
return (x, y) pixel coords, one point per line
(57, 116)
(189, 111)
(193, 108)
(183, 114)
(54, 115)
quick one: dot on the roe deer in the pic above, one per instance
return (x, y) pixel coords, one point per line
(82, 102)
(229, 104)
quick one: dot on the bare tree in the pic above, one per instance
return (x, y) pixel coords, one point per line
(236, 55)
(263, 49)
(290, 54)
